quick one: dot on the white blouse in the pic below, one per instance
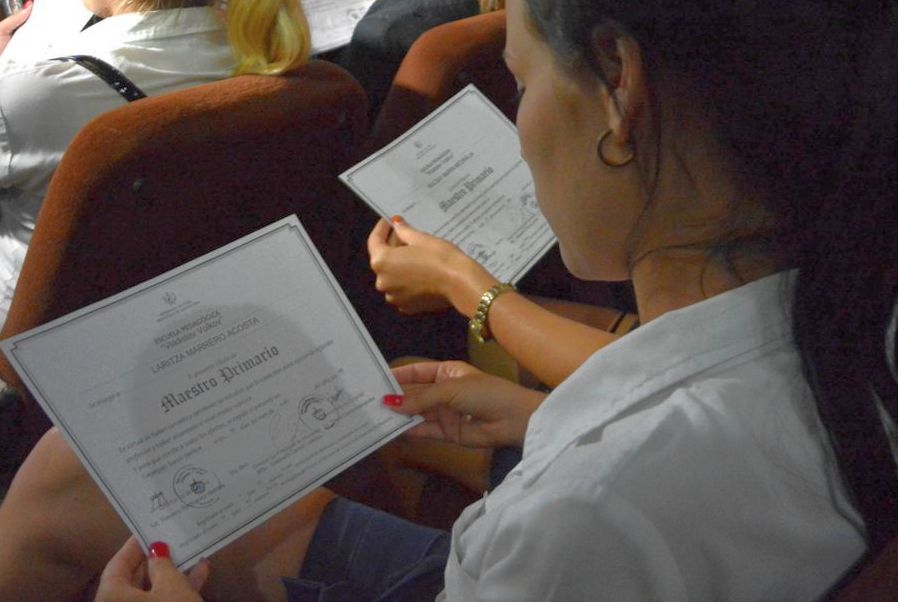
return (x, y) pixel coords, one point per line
(683, 462)
(44, 103)
(50, 22)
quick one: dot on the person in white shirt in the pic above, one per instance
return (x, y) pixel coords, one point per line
(38, 27)
(737, 163)
(160, 45)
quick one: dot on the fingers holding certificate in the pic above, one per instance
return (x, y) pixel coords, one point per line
(204, 401)
(459, 175)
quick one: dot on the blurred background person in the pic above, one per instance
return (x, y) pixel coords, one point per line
(160, 46)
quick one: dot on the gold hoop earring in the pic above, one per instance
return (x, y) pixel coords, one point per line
(624, 162)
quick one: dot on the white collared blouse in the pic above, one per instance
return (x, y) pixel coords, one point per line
(683, 462)
(44, 103)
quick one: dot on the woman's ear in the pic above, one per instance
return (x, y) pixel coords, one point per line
(619, 58)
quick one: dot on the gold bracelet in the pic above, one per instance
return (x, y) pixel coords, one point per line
(477, 325)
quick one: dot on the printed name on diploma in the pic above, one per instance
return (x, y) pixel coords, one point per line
(193, 330)
(225, 374)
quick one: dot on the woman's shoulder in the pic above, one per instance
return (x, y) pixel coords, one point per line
(47, 78)
(711, 481)
(50, 91)
(42, 107)
(704, 381)
(741, 435)
(753, 415)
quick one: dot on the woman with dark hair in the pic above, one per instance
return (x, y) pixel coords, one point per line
(735, 160)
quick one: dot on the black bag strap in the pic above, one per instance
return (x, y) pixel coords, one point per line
(109, 74)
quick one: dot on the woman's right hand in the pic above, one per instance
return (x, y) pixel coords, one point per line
(418, 272)
(124, 577)
(463, 405)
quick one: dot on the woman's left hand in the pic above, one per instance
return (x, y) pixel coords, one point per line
(124, 577)
(460, 404)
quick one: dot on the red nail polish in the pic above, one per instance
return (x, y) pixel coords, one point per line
(396, 219)
(394, 401)
(159, 549)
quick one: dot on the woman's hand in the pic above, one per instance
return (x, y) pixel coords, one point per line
(418, 272)
(124, 577)
(10, 24)
(463, 405)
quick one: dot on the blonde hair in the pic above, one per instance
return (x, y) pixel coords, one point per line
(268, 37)
(487, 6)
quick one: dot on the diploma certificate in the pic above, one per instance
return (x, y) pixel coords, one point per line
(459, 175)
(207, 399)
(333, 21)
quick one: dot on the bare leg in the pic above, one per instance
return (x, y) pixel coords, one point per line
(58, 531)
(56, 527)
(251, 568)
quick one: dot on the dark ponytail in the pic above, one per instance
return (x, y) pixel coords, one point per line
(805, 95)
(847, 288)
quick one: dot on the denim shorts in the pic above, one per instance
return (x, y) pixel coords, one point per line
(362, 554)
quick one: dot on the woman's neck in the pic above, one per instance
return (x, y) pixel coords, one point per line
(671, 279)
(706, 229)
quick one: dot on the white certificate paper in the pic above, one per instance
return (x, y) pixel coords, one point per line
(459, 175)
(333, 21)
(207, 399)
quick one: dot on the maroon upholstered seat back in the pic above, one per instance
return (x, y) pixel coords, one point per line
(875, 580)
(151, 185)
(440, 63)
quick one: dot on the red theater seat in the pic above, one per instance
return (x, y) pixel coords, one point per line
(440, 63)
(875, 581)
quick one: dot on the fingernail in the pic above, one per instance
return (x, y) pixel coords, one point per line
(394, 401)
(396, 219)
(159, 549)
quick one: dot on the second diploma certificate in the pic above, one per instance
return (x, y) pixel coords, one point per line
(459, 175)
